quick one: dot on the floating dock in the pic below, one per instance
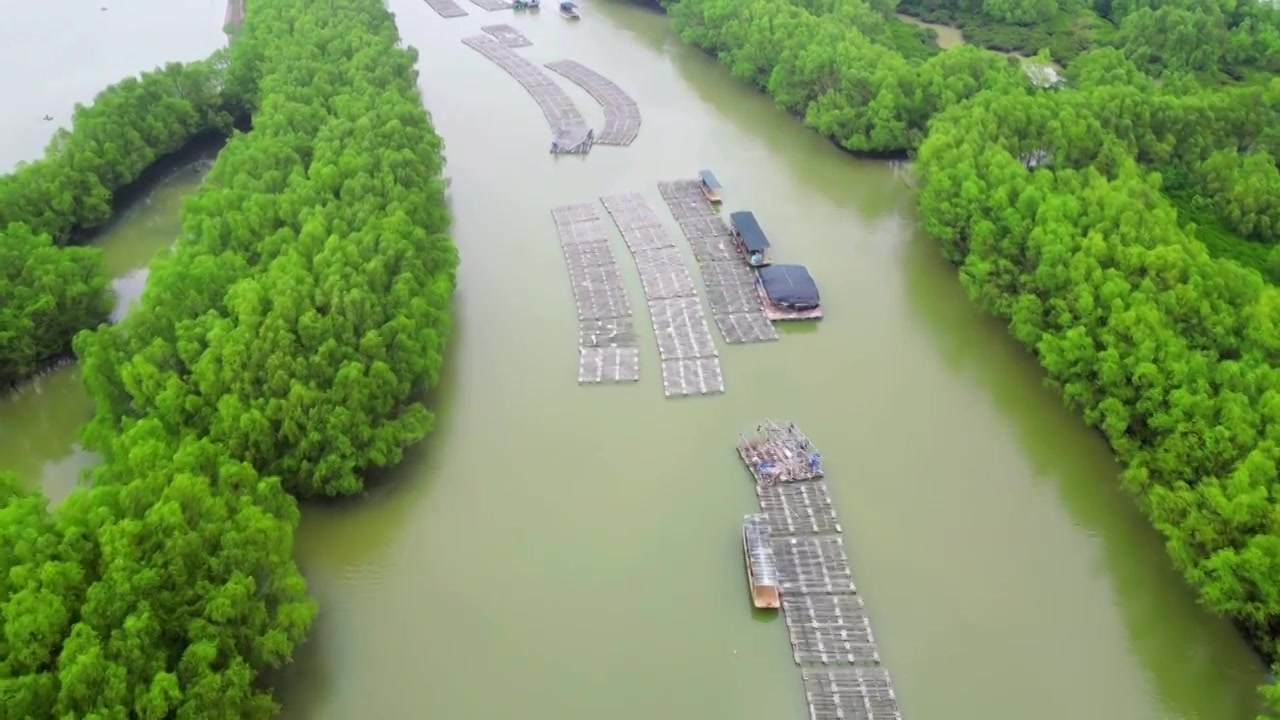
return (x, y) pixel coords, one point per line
(690, 361)
(621, 113)
(827, 623)
(558, 108)
(447, 9)
(607, 347)
(492, 5)
(507, 35)
(731, 286)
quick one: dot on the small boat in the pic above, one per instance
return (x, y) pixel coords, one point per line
(762, 570)
(750, 238)
(569, 9)
(710, 185)
(525, 5)
(788, 293)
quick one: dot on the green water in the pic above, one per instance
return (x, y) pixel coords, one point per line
(556, 551)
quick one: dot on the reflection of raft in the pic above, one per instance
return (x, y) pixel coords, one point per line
(779, 454)
(762, 570)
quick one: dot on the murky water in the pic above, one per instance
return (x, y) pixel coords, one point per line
(555, 551)
(947, 36)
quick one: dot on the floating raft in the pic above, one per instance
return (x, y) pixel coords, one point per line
(558, 108)
(731, 285)
(491, 5)
(621, 113)
(827, 623)
(507, 35)
(607, 347)
(690, 361)
(447, 9)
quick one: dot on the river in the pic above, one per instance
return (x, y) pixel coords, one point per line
(556, 551)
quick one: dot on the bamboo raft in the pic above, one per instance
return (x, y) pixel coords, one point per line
(827, 624)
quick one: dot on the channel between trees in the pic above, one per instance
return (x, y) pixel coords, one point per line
(280, 350)
(51, 285)
(1061, 208)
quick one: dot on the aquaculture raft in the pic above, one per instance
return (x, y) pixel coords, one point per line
(827, 623)
(607, 349)
(731, 286)
(621, 113)
(558, 108)
(491, 5)
(447, 9)
(507, 35)
(690, 361)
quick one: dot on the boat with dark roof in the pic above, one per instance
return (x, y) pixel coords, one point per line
(788, 292)
(749, 238)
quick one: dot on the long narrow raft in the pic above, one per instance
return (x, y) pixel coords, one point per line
(830, 633)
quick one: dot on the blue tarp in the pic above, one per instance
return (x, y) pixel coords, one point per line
(790, 287)
(709, 180)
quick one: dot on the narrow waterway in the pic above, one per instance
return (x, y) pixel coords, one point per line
(556, 551)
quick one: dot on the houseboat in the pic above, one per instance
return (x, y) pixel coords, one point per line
(569, 9)
(788, 293)
(762, 570)
(750, 239)
(710, 185)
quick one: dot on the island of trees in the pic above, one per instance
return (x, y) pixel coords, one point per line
(51, 287)
(1124, 224)
(281, 349)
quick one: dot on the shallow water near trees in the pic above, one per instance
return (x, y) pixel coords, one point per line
(556, 551)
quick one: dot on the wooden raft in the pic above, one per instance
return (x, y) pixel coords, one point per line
(827, 623)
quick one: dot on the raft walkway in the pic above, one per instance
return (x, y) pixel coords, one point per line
(690, 361)
(447, 9)
(827, 623)
(607, 348)
(556, 105)
(621, 113)
(731, 284)
(507, 35)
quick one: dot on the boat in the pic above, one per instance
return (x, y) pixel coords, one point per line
(710, 185)
(525, 5)
(750, 239)
(569, 9)
(788, 292)
(762, 570)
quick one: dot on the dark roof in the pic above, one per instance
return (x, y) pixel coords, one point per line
(709, 179)
(744, 221)
(790, 287)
